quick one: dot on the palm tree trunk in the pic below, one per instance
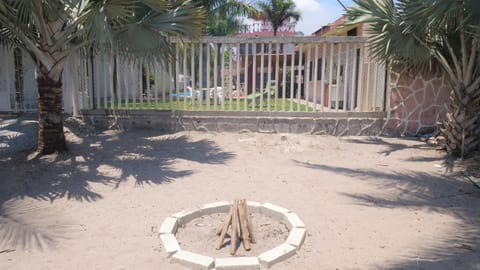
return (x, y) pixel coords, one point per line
(50, 116)
(462, 126)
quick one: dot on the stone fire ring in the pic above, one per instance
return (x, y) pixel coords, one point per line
(192, 260)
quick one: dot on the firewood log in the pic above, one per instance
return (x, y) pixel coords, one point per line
(224, 230)
(234, 238)
(243, 225)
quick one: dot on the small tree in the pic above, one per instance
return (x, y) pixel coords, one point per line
(278, 12)
(434, 33)
(52, 30)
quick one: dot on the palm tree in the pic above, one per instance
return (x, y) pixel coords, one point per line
(278, 12)
(224, 16)
(52, 30)
(434, 33)
(224, 25)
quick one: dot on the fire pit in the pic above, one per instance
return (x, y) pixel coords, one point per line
(266, 219)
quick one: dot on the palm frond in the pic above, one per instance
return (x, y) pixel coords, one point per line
(222, 14)
(392, 37)
(146, 35)
(8, 39)
(52, 29)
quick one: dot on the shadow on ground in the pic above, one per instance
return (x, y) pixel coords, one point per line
(109, 158)
(448, 194)
(392, 147)
(17, 134)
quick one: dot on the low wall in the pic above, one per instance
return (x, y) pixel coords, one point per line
(331, 123)
(417, 103)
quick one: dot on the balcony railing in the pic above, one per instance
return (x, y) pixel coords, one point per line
(267, 27)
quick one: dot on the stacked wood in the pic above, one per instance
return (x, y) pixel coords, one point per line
(241, 226)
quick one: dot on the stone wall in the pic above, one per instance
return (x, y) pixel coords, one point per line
(417, 103)
(332, 123)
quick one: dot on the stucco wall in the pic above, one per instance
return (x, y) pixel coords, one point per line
(416, 103)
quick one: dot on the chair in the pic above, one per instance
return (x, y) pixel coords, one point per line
(216, 93)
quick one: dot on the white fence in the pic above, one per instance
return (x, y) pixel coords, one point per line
(18, 90)
(296, 74)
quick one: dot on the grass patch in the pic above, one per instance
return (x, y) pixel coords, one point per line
(189, 104)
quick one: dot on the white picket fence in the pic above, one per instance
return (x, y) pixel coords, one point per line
(293, 74)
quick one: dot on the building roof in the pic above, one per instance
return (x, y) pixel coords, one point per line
(335, 28)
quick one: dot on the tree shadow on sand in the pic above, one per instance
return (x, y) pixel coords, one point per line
(17, 133)
(406, 143)
(109, 158)
(447, 194)
(391, 147)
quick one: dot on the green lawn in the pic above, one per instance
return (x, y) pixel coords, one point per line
(194, 105)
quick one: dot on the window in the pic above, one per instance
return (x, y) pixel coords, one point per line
(352, 32)
(319, 70)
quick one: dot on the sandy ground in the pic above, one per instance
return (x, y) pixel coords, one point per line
(368, 203)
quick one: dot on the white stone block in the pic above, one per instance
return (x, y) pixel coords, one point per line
(216, 207)
(169, 225)
(170, 243)
(237, 263)
(274, 211)
(193, 260)
(254, 207)
(293, 221)
(186, 216)
(296, 237)
(275, 255)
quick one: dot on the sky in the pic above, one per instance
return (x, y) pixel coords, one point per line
(317, 13)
